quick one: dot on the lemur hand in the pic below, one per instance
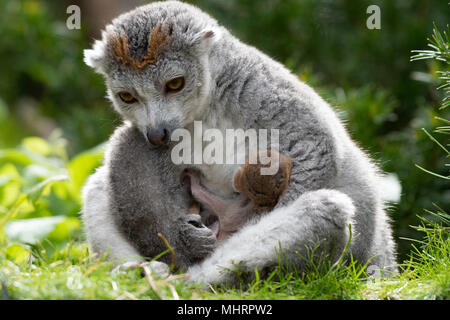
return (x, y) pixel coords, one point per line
(196, 237)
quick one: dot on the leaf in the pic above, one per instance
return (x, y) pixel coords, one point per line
(32, 195)
(4, 180)
(14, 156)
(64, 230)
(35, 173)
(32, 230)
(17, 253)
(10, 184)
(12, 212)
(37, 145)
(83, 165)
(35, 192)
(435, 141)
(9, 193)
(432, 173)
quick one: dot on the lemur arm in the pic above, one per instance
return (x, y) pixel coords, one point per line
(307, 214)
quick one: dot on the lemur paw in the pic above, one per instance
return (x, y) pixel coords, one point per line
(205, 275)
(199, 240)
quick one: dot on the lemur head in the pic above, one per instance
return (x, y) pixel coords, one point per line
(156, 63)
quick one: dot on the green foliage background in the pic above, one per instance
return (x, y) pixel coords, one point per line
(366, 74)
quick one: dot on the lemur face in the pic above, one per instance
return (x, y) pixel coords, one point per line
(161, 98)
(156, 67)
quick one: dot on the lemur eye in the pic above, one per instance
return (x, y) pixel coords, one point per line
(127, 97)
(175, 85)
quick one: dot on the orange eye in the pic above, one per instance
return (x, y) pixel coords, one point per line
(127, 97)
(175, 85)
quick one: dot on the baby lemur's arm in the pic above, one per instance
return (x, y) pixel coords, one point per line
(232, 214)
(258, 193)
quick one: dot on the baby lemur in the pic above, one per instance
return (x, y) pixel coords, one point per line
(259, 193)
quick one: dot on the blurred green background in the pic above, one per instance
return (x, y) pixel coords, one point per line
(53, 113)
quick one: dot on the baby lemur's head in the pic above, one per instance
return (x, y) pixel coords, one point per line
(155, 61)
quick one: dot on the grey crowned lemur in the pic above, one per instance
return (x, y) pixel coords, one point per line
(168, 64)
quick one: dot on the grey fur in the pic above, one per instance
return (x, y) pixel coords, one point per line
(333, 182)
(139, 210)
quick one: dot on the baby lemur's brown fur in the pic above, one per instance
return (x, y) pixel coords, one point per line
(258, 193)
(264, 191)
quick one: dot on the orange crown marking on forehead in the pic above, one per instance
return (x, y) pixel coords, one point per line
(158, 37)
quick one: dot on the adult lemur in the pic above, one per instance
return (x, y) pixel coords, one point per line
(167, 64)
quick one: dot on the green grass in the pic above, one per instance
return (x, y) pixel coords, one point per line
(71, 273)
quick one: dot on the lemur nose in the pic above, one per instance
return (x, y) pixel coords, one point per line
(158, 137)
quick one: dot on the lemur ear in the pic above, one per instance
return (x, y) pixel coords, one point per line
(204, 40)
(94, 57)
